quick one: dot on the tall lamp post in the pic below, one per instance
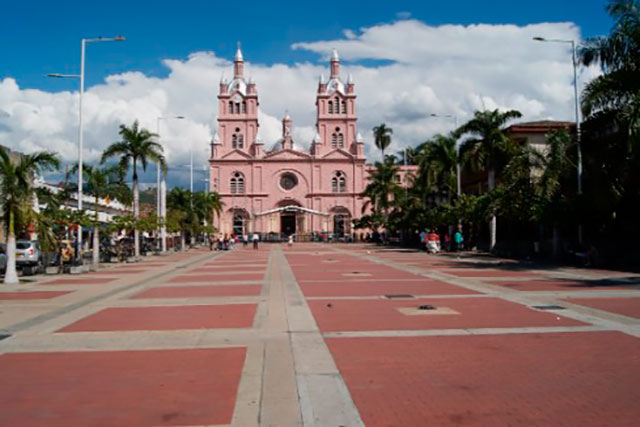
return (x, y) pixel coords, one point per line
(577, 112)
(161, 190)
(80, 125)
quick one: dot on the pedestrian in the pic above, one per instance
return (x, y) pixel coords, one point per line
(447, 242)
(290, 242)
(423, 235)
(458, 239)
(220, 242)
(245, 240)
(433, 243)
(255, 240)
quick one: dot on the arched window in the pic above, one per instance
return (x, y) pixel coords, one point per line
(344, 107)
(236, 184)
(340, 140)
(237, 107)
(230, 107)
(336, 102)
(237, 139)
(338, 183)
(330, 107)
(244, 106)
(334, 140)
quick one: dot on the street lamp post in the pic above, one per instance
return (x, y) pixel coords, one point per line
(80, 124)
(577, 112)
(161, 189)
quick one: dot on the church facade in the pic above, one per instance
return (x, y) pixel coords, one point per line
(285, 190)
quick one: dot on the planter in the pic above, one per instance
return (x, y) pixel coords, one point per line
(52, 270)
(132, 259)
(76, 269)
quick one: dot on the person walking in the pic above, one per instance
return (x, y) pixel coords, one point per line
(255, 239)
(245, 240)
(458, 239)
(290, 242)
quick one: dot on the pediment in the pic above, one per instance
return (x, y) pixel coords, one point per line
(236, 155)
(338, 154)
(287, 155)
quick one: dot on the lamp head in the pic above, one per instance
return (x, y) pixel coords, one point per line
(540, 39)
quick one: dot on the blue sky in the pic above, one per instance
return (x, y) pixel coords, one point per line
(409, 60)
(42, 37)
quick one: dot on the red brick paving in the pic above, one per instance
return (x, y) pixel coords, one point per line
(31, 295)
(166, 318)
(468, 272)
(120, 388)
(365, 288)
(244, 270)
(625, 306)
(119, 271)
(80, 281)
(213, 278)
(570, 379)
(554, 285)
(382, 315)
(353, 274)
(200, 291)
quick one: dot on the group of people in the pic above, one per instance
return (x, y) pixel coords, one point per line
(430, 241)
(227, 242)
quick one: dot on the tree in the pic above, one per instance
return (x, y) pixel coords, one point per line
(437, 165)
(611, 132)
(103, 182)
(616, 93)
(180, 201)
(382, 137)
(487, 148)
(18, 193)
(205, 204)
(383, 187)
(137, 144)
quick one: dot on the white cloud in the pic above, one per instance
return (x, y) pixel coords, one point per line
(417, 70)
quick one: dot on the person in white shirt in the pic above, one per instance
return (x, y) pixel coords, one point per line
(255, 238)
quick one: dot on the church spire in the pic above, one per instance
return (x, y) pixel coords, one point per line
(335, 64)
(238, 63)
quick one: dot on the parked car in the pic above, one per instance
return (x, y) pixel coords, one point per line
(29, 256)
(3, 258)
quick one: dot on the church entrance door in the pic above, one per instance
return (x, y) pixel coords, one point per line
(288, 223)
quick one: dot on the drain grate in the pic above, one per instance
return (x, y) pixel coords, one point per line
(427, 307)
(398, 296)
(548, 307)
(4, 336)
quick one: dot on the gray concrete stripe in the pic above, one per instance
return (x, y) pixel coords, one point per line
(468, 331)
(324, 397)
(13, 329)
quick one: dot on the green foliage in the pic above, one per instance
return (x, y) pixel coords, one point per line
(382, 137)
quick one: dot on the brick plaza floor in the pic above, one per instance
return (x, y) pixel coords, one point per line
(324, 335)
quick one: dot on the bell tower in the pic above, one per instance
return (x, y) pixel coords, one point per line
(336, 114)
(237, 112)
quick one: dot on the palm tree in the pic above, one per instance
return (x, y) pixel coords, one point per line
(137, 144)
(383, 187)
(103, 182)
(437, 165)
(179, 201)
(382, 137)
(617, 91)
(487, 148)
(18, 194)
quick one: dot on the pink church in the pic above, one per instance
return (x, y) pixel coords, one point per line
(286, 190)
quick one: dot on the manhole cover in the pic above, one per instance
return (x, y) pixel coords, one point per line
(398, 296)
(548, 307)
